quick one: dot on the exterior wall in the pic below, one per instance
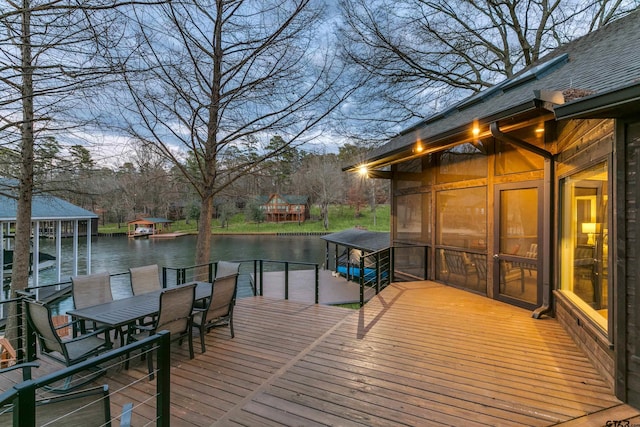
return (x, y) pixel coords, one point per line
(582, 143)
(589, 338)
(630, 360)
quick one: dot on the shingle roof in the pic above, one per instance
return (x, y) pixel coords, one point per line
(599, 62)
(44, 207)
(289, 198)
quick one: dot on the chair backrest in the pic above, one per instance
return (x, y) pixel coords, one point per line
(39, 316)
(176, 305)
(145, 279)
(91, 289)
(226, 268)
(480, 262)
(223, 296)
(89, 407)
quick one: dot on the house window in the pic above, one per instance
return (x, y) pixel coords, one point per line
(584, 244)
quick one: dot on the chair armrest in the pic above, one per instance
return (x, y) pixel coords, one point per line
(125, 418)
(98, 331)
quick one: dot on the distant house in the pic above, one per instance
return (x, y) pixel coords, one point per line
(147, 226)
(283, 207)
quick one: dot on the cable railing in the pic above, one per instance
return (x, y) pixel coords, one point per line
(27, 401)
(376, 270)
(252, 269)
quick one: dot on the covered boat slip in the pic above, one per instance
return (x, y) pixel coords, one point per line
(353, 245)
(419, 353)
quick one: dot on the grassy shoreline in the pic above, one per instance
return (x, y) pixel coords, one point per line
(340, 218)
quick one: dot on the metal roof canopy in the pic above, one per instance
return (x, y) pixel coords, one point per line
(44, 208)
(365, 240)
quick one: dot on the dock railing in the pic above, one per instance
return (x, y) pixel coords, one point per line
(254, 269)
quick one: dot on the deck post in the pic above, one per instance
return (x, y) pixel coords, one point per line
(392, 257)
(255, 277)
(317, 284)
(286, 280)
(361, 281)
(25, 409)
(378, 273)
(163, 380)
(261, 270)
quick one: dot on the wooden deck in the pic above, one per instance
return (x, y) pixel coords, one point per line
(419, 353)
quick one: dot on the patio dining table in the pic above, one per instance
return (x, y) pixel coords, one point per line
(121, 312)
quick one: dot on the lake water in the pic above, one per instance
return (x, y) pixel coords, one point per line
(118, 254)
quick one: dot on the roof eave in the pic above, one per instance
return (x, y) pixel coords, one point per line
(620, 102)
(458, 135)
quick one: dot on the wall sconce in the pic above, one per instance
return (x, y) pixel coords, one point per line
(589, 228)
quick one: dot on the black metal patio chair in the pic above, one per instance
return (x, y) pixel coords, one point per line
(174, 315)
(68, 351)
(218, 308)
(89, 290)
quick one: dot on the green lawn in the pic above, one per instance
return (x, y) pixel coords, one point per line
(340, 218)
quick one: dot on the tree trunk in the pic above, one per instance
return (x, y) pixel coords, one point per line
(20, 273)
(325, 215)
(203, 243)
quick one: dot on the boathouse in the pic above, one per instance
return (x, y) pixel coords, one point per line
(50, 216)
(141, 227)
(527, 193)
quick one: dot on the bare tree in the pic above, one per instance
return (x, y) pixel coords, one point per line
(322, 178)
(220, 78)
(50, 59)
(421, 55)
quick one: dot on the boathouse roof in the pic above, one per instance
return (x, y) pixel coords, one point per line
(44, 207)
(357, 238)
(150, 221)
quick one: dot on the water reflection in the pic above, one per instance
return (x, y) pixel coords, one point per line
(117, 254)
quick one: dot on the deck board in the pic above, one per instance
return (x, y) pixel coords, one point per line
(419, 353)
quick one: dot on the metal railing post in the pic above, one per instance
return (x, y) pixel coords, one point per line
(426, 262)
(261, 270)
(255, 277)
(286, 280)
(361, 281)
(163, 381)
(164, 277)
(392, 257)
(20, 339)
(24, 414)
(317, 284)
(378, 273)
(211, 276)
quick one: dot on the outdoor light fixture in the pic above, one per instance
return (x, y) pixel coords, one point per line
(362, 170)
(589, 228)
